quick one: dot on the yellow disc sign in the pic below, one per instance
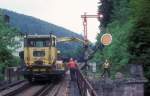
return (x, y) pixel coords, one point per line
(106, 39)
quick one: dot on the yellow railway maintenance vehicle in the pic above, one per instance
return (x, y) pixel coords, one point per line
(40, 57)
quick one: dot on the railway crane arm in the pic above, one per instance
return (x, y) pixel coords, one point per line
(72, 39)
(69, 39)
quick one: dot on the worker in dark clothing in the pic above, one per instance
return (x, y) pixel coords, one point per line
(73, 67)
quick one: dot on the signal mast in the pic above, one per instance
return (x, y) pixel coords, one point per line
(85, 17)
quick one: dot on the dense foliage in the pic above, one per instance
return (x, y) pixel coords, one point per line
(7, 45)
(140, 37)
(129, 23)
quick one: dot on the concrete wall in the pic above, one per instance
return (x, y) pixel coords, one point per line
(132, 86)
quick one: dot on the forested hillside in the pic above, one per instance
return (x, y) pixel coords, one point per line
(31, 25)
(129, 23)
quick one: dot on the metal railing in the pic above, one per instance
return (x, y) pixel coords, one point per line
(84, 86)
(12, 74)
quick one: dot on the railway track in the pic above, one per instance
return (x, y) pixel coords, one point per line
(11, 85)
(27, 89)
(60, 89)
(10, 91)
(44, 90)
(54, 91)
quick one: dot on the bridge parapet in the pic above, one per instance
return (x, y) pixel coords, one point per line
(84, 86)
(121, 86)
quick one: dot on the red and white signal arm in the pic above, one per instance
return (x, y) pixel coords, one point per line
(106, 39)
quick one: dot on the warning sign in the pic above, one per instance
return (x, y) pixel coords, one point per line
(106, 39)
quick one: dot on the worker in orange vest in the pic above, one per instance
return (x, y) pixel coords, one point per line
(73, 67)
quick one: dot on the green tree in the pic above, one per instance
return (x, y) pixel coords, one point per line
(140, 45)
(7, 45)
(129, 24)
(119, 25)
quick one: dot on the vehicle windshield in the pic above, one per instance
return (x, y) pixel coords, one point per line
(39, 42)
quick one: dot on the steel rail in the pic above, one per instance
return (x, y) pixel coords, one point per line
(44, 90)
(11, 85)
(55, 90)
(18, 90)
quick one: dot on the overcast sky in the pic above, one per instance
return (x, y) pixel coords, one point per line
(65, 13)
